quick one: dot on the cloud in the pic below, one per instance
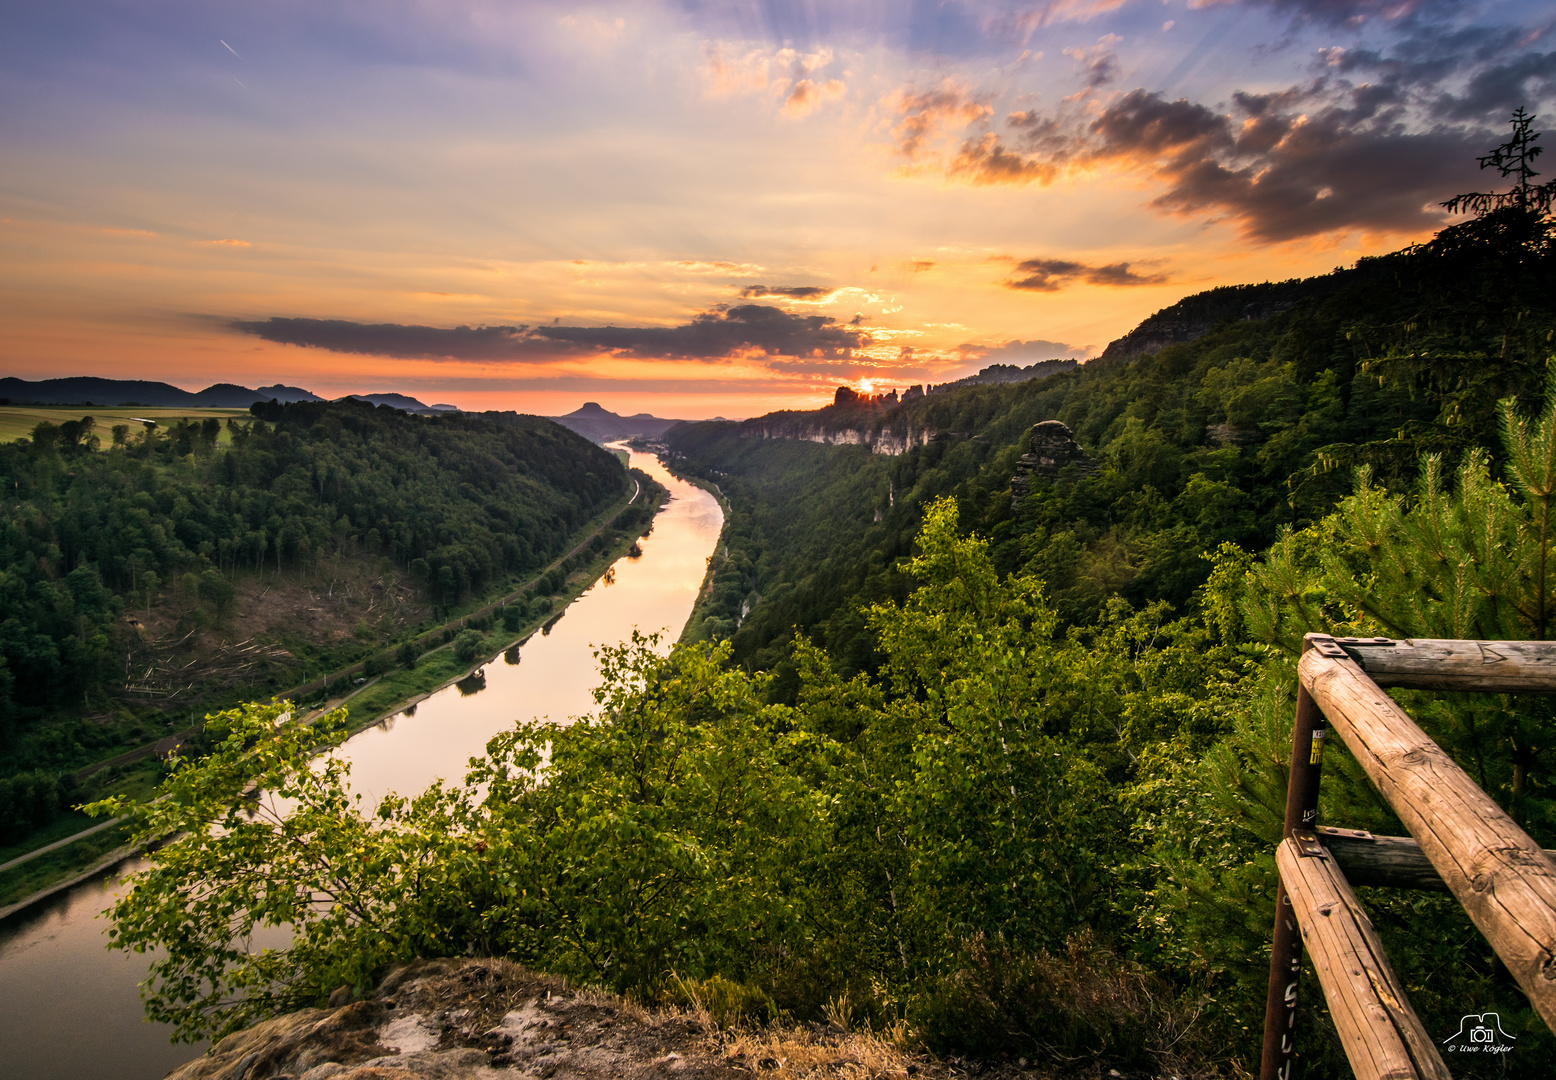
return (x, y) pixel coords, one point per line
(926, 112)
(1341, 12)
(399, 340)
(744, 328)
(1023, 353)
(224, 243)
(807, 94)
(790, 75)
(700, 266)
(804, 294)
(1051, 275)
(1099, 63)
(986, 160)
(1374, 141)
(1291, 164)
(721, 333)
(1021, 25)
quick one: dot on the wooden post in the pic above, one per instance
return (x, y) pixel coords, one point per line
(1382, 1036)
(1280, 1007)
(1505, 882)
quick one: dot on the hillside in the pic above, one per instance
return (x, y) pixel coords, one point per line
(1253, 425)
(170, 572)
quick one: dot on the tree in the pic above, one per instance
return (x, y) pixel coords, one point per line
(467, 645)
(1513, 158)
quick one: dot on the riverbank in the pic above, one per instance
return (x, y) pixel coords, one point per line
(61, 859)
(696, 628)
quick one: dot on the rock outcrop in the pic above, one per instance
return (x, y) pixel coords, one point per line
(492, 1019)
(1050, 447)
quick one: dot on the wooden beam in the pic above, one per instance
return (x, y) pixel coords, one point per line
(1389, 862)
(1505, 882)
(1382, 1036)
(1510, 667)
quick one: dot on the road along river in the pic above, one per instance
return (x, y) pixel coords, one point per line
(70, 1008)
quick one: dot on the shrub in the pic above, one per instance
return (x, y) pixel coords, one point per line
(407, 655)
(467, 646)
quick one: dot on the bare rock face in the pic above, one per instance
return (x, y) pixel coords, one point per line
(463, 1020)
(1050, 448)
(472, 1019)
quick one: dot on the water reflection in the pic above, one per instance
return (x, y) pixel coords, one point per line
(472, 683)
(511, 655)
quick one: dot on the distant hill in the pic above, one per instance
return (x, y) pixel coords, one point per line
(1000, 374)
(84, 390)
(1194, 316)
(402, 401)
(89, 390)
(598, 424)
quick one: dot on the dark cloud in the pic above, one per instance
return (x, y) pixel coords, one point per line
(712, 335)
(803, 293)
(1051, 275)
(411, 342)
(1375, 141)
(1289, 166)
(722, 332)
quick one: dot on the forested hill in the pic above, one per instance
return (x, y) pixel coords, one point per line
(1255, 424)
(101, 529)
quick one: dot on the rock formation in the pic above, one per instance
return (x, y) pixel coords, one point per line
(489, 1019)
(1050, 448)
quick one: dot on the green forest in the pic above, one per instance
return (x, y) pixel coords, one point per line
(101, 527)
(1001, 775)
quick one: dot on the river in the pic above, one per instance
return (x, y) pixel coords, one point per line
(70, 1008)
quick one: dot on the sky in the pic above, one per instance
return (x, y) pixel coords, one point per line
(704, 207)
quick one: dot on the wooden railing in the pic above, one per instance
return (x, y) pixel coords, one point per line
(1462, 842)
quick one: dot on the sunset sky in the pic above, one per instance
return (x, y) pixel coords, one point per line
(704, 208)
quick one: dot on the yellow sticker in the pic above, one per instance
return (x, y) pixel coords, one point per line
(1317, 755)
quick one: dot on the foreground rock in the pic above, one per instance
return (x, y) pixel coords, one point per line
(458, 1019)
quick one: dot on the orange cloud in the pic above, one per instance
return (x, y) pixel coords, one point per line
(927, 112)
(224, 243)
(807, 95)
(987, 161)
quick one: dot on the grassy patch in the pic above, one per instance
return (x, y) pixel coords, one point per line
(22, 881)
(17, 421)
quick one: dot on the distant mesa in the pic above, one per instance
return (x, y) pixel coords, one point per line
(598, 424)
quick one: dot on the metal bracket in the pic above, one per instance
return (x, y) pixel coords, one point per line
(1308, 844)
(1324, 645)
(1349, 834)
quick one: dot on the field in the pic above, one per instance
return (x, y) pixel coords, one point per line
(17, 421)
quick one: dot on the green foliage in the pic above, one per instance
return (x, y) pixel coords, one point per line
(457, 501)
(29, 800)
(467, 645)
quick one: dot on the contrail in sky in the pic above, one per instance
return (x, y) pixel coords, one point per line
(229, 48)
